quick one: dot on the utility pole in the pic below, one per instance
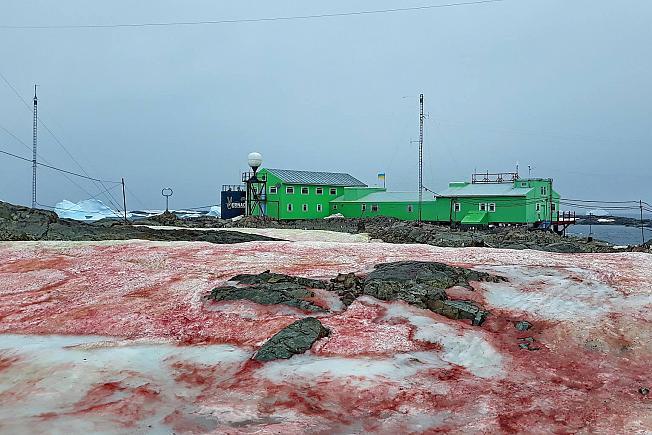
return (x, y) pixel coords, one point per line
(640, 204)
(34, 142)
(420, 156)
(124, 199)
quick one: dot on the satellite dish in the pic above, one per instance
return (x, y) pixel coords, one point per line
(255, 160)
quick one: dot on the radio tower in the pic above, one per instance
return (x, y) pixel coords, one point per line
(34, 132)
(420, 155)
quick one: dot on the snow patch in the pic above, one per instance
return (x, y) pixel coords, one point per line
(85, 210)
(468, 349)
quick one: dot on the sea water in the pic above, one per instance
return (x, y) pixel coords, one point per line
(615, 234)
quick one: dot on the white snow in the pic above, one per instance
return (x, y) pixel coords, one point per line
(553, 294)
(85, 210)
(468, 349)
(292, 235)
(53, 373)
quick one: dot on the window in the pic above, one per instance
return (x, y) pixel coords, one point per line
(333, 191)
(374, 207)
(273, 190)
(319, 207)
(289, 190)
(492, 207)
(304, 190)
(334, 206)
(304, 207)
(319, 190)
(538, 207)
(458, 207)
(364, 207)
(410, 208)
(482, 206)
(289, 207)
(553, 207)
(523, 184)
(544, 190)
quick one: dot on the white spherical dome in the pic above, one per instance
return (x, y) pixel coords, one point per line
(255, 160)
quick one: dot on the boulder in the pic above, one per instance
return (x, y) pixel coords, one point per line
(294, 339)
(459, 310)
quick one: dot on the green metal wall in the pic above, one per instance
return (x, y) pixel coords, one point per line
(277, 204)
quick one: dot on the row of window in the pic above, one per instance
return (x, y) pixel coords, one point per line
(483, 206)
(273, 190)
(304, 207)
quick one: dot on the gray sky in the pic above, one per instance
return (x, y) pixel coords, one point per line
(562, 85)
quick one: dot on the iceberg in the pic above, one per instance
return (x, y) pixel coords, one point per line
(85, 210)
(215, 211)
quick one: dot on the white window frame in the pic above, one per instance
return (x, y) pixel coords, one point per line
(290, 207)
(374, 208)
(273, 190)
(363, 207)
(482, 206)
(410, 208)
(457, 207)
(319, 208)
(319, 190)
(305, 190)
(553, 207)
(333, 191)
(289, 190)
(523, 184)
(334, 206)
(538, 208)
(544, 190)
(491, 207)
(304, 208)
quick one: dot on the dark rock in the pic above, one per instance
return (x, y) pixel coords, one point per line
(281, 293)
(438, 275)
(347, 286)
(644, 391)
(522, 325)
(528, 344)
(271, 278)
(294, 339)
(459, 310)
(23, 223)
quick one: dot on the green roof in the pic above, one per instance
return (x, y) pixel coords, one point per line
(476, 218)
(480, 189)
(384, 197)
(315, 178)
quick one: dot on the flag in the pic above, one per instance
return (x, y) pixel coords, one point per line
(381, 178)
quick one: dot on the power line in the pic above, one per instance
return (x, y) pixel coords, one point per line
(59, 169)
(254, 20)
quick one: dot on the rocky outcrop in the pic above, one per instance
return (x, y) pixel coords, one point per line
(419, 283)
(273, 278)
(294, 339)
(23, 223)
(282, 293)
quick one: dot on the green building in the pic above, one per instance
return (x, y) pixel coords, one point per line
(488, 199)
(517, 201)
(302, 194)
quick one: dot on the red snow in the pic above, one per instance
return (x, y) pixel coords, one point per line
(379, 371)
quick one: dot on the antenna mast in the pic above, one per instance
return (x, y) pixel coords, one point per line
(34, 142)
(420, 155)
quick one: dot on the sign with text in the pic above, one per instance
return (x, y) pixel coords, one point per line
(234, 203)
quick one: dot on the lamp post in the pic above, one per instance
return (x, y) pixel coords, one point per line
(255, 187)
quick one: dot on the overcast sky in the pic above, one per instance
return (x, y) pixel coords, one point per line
(562, 85)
